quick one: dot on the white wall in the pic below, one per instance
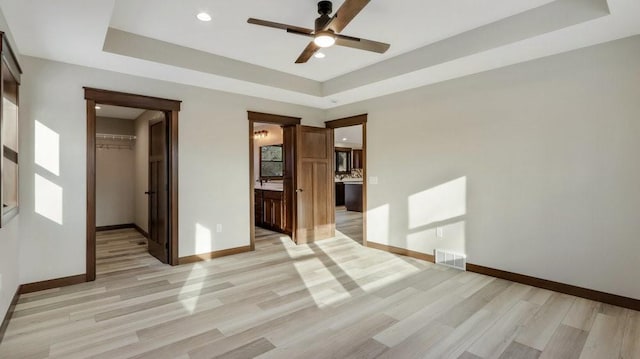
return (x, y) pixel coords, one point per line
(273, 138)
(531, 168)
(142, 168)
(9, 235)
(115, 182)
(114, 126)
(115, 175)
(213, 163)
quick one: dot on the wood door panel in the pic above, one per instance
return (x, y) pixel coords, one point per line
(315, 217)
(323, 213)
(314, 145)
(288, 180)
(158, 191)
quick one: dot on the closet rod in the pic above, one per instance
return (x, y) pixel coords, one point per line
(108, 136)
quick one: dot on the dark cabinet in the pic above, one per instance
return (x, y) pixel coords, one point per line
(259, 207)
(339, 194)
(358, 159)
(269, 208)
(353, 196)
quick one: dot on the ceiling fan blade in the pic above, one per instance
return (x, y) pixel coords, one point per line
(278, 25)
(362, 44)
(307, 53)
(295, 32)
(346, 13)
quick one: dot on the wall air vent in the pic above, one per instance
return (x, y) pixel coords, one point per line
(451, 259)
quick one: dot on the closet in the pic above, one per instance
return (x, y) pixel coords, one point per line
(115, 171)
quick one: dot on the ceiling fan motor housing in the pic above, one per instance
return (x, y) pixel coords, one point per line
(325, 7)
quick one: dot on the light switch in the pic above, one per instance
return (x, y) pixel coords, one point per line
(373, 180)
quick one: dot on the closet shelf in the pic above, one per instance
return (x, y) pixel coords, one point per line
(107, 136)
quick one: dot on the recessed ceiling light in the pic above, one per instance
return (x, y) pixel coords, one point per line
(319, 55)
(98, 107)
(203, 16)
(344, 139)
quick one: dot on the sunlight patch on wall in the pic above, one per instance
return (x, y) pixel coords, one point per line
(378, 224)
(47, 148)
(48, 199)
(440, 203)
(203, 239)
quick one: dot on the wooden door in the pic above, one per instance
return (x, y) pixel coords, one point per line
(314, 181)
(357, 159)
(158, 186)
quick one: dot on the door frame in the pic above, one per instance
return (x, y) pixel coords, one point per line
(353, 121)
(260, 117)
(94, 96)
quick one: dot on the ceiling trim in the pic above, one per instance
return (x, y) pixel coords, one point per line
(116, 98)
(347, 121)
(272, 118)
(544, 19)
(548, 18)
(145, 48)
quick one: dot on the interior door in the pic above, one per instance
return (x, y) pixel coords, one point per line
(313, 182)
(158, 190)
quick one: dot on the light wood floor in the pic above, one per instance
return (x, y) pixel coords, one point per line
(349, 223)
(333, 299)
(118, 250)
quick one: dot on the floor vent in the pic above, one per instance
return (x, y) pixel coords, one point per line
(451, 259)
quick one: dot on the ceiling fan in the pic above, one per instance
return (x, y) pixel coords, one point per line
(327, 29)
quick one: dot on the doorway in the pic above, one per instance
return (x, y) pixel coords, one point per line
(270, 194)
(350, 148)
(123, 203)
(306, 200)
(162, 165)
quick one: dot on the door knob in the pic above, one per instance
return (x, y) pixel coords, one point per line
(149, 192)
(299, 190)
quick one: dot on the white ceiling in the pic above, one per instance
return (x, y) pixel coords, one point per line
(126, 113)
(351, 134)
(406, 25)
(431, 41)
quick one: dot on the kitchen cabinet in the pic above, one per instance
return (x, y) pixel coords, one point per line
(353, 196)
(339, 194)
(269, 209)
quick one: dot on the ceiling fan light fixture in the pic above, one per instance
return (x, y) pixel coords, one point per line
(325, 39)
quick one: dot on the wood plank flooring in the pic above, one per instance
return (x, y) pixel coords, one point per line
(121, 249)
(332, 299)
(349, 223)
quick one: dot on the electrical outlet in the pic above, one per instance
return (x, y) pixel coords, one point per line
(373, 180)
(439, 232)
(218, 227)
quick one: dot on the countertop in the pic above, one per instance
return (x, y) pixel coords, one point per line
(269, 186)
(351, 181)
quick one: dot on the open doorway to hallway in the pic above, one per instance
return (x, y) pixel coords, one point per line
(124, 199)
(348, 144)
